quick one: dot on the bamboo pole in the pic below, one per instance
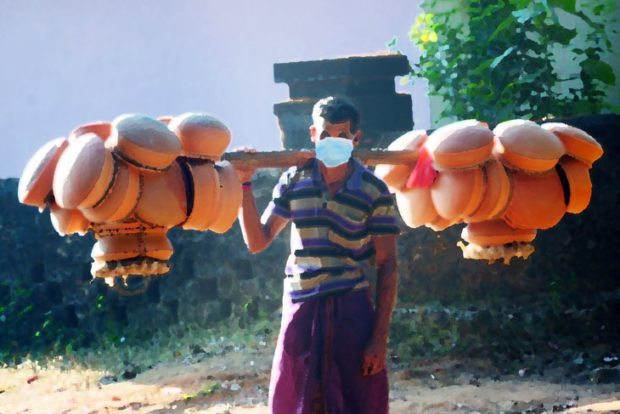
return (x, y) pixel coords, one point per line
(287, 158)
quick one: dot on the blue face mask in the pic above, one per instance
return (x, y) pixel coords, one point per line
(334, 151)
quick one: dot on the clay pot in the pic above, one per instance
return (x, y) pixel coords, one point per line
(524, 145)
(102, 129)
(145, 142)
(206, 194)
(497, 193)
(122, 198)
(537, 201)
(202, 136)
(462, 144)
(395, 176)
(457, 193)
(495, 233)
(127, 246)
(164, 198)
(68, 221)
(84, 173)
(35, 184)
(415, 206)
(230, 198)
(439, 223)
(577, 143)
(579, 185)
(165, 119)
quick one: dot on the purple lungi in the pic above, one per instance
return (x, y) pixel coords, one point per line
(317, 363)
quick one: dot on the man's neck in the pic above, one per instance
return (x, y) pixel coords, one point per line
(334, 174)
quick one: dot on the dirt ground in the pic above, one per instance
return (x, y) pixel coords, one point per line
(237, 383)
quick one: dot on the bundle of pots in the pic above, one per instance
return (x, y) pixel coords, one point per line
(129, 181)
(505, 183)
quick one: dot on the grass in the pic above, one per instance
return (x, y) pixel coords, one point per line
(120, 357)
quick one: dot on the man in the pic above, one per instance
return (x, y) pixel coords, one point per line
(331, 351)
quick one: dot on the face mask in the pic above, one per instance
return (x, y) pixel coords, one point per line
(333, 151)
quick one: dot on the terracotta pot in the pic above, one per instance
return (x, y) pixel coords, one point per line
(165, 119)
(68, 221)
(462, 144)
(231, 196)
(122, 198)
(457, 193)
(577, 143)
(101, 129)
(164, 197)
(497, 193)
(202, 135)
(495, 233)
(127, 246)
(206, 194)
(395, 176)
(35, 184)
(537, 201)
(145, 142)
(84, 173)
(415, 206)
(439, 223)
(579, 185)
(526, 146)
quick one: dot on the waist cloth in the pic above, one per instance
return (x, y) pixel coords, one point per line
(318, 358)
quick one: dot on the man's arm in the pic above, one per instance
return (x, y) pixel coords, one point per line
(257, 236)
(373, 359)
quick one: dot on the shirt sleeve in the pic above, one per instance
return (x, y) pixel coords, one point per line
(279, 203)
(382, 219)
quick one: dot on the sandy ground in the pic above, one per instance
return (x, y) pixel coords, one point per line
(237, 382)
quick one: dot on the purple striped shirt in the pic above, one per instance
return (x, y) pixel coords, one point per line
(332, 248)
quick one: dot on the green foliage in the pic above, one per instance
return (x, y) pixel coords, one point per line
(507, 329)
(498, 59)
(116, 351)
(206, 390)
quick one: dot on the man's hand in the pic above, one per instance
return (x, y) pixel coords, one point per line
(245, 174)
(373, 357)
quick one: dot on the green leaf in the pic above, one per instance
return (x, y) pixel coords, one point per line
(502, 26)
(524, 15)
(598, 9)
(600, 70)
(561, 35)
(566, 5)
(581, 108)
(481, 67)
(501, 57)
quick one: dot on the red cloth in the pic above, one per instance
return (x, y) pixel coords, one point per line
(423, 173)
(318, 358)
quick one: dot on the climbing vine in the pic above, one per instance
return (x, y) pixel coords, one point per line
(500, 59)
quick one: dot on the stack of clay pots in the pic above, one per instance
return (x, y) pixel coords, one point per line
(505, 184)
(131, 180)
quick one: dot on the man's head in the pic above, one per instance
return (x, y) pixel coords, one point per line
(335, 117)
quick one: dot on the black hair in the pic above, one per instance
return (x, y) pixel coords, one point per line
(335, 110)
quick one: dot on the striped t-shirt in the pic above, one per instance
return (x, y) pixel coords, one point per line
(332, 248)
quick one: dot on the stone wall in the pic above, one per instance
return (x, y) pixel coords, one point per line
(367, 81)
(46, 288)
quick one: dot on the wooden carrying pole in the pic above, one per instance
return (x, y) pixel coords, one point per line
(280, 159)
